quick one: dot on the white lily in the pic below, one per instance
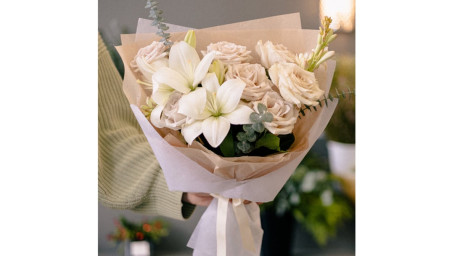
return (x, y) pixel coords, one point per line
(184, 73)
(213, 108)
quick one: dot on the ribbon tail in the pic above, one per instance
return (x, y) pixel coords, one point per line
(221, 220)
(244, 225)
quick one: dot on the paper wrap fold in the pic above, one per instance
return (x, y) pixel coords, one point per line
(196, 169)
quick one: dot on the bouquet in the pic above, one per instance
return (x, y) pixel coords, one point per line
(224, 112)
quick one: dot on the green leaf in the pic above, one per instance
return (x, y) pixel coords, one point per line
(227, 146)
(269, 141)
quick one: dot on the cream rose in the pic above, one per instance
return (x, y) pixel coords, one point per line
(284, 113)
(149, 59)
(273, 53)
(257, 83)
(229, 53)
(296, 85)
(168, 116)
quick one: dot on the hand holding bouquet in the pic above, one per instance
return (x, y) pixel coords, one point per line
(228, 122)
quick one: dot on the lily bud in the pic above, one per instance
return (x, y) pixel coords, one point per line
(219, 69)
(326, 56)
(190, 38)
(331, 38)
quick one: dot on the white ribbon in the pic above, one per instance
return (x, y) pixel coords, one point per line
(242, 218)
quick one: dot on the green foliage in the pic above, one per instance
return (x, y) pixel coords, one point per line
(269, 141)
(341, 127)
(311, 197)
(227, 146)
(158, 21)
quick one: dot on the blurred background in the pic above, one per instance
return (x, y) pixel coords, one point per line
(314, 214)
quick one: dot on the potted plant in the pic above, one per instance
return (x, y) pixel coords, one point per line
(138, 239)
(340, 131)
(311, 198)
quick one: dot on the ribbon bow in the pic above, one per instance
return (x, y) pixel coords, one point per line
(242, 218)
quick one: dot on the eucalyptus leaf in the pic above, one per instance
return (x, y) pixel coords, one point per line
(258, 127)
(251, 137)
(241, 136)
(267, 117)
(245, 147)
(255, 117)
(262, 108)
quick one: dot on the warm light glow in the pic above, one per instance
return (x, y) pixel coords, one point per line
(341, 11)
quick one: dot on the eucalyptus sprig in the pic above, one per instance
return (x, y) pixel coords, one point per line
(344, 94)
(158, 21)
(320, 54)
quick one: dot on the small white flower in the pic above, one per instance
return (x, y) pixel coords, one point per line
(212, 109)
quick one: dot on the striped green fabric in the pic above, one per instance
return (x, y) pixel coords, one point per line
(129, 176)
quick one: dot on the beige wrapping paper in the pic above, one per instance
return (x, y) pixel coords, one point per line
(246, 167)
(196, 169)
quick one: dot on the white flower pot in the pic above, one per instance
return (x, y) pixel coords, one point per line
(341, 158)
(138, 248)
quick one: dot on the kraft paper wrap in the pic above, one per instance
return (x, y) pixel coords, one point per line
(246, 167)
(196, 169)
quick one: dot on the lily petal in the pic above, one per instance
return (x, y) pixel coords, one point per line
(155, 116)
(192, 131)
(228, 95)
(173, 79)
(215, 130)
(210, 82)
(193, 103)
(241, 115)
(161, 93)
(184, 59)
(203, 67)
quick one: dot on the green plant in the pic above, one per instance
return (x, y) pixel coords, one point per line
(151, 231)
(158, 21)
(341, 127)
(311, 197)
